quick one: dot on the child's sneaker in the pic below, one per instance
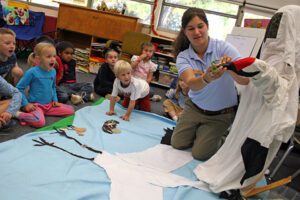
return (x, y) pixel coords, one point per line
(156, 98)
(76, 99)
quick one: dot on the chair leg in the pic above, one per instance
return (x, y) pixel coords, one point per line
(290, 148)
(296, 174)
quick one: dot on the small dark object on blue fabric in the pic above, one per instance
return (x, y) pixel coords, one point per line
(110, 127)
(166, 139)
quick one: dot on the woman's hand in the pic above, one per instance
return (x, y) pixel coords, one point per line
(216, 70)
(225, 59)
(213, 74)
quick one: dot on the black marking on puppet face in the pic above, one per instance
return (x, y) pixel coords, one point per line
(273, 26)
(110, 127)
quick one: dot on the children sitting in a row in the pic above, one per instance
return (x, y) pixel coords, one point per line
(66, 84)
(53, 80)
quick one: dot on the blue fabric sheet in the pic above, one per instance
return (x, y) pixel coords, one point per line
(35, 173)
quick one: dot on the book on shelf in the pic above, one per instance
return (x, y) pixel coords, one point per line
(82, 59)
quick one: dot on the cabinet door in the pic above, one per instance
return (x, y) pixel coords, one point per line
(96, 23)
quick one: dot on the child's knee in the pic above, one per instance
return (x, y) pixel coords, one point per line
(17, 72)
(68, 110)
(34, 119)
(39, 124)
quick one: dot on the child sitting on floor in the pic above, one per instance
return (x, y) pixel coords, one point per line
(31, 61)
(42, 97)
(103, 83)
(9, 68)
(174, 105)
(143, 67)
(67, 87)
(134, 90)
(8, 107)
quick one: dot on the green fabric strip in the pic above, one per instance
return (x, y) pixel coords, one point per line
(65, 121)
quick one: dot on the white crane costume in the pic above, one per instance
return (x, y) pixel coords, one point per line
(267, 111)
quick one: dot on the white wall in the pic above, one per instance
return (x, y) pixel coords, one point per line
(269, 3)
(48, 11)
(274, 3)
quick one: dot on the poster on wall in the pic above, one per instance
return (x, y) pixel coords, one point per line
(256, 23)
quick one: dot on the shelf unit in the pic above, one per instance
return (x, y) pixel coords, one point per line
(83, 26)
(166, 70)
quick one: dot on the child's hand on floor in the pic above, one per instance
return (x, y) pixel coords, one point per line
(125, 117)
(6, 116)
(111, 113)
(29, 107)
(55, 104)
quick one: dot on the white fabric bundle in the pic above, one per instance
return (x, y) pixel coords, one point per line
(267, 111)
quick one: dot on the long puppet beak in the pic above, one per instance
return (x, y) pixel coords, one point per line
(238, 66)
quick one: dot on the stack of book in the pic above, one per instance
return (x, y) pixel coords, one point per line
(97, 49)
(95, 64)
(82, 59)
(164, 48)
(97, 56)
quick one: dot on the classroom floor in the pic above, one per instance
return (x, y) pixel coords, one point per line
(290, 165)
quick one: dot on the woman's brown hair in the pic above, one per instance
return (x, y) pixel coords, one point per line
(181, 43)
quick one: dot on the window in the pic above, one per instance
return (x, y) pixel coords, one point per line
(55, 3)
(137, 8)
(221, 15)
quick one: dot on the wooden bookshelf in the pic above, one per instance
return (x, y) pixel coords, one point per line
(96, 23)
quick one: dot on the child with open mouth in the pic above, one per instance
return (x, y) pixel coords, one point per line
(42, 98)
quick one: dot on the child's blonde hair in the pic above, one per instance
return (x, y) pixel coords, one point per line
(7, 31)
(31, 60)
(121, 66)
(40, 47)
(38, 51)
